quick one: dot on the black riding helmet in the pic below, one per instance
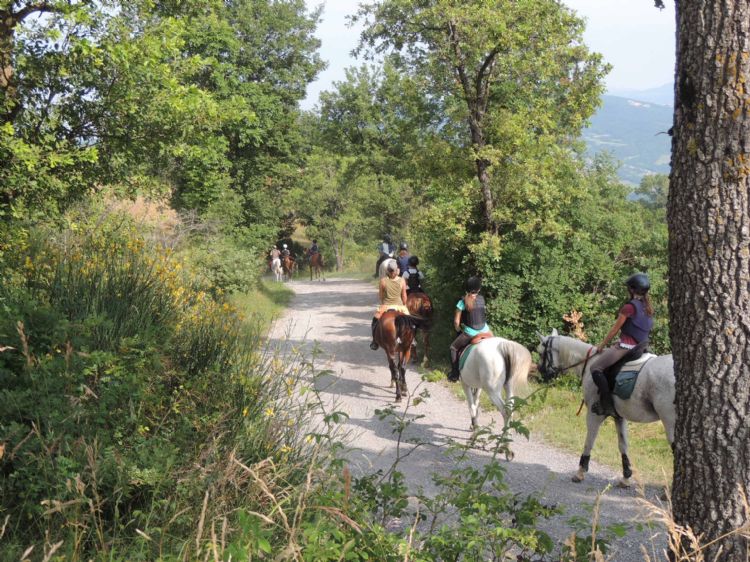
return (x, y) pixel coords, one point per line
(403, 246)
(638, 283)
(414, 261)
(387, 238)
(473, 284)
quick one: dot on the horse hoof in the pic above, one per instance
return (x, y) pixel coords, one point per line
(509, 455)
(577, 478)
(398, 399)
(624, 483)
(390, 385)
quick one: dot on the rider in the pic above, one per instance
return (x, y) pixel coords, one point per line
(275, 254)
(403, 257)
(634, 322)
(413, 276)
(313, 249)
(469, 320)
(392, 295)
(285, 252)
(385, 250)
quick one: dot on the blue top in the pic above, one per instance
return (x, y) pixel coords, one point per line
(460, 305)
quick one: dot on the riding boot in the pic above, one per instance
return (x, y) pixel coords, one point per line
(455, 371)
(605, 406)
(374, 345)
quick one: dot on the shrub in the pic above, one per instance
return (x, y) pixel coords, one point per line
(129, 395)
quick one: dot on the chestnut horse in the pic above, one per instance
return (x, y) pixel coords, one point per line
(419, 304)
(316, 266)
(394, 333)
(288, 265)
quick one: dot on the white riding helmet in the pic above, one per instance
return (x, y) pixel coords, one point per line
(285, 246)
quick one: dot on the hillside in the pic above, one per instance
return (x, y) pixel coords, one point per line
(630, 131)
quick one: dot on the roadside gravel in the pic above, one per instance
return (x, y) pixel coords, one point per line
(335, 316)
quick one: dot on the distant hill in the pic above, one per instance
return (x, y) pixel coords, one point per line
(629, 130)
(661, 95)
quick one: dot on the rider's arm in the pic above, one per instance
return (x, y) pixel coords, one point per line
(613, 331)
(403, 290)
(381, 290)
(457, 320)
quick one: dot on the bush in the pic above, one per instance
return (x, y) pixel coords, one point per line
(128, 395)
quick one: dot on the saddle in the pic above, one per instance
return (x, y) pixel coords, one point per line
(466, 351)
(623, 374)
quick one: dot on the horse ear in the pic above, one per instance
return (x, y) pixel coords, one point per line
(554, 332)
(540, 335)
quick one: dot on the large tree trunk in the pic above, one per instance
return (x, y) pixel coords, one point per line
(709, 271)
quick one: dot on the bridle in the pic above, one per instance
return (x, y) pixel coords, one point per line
(547, 364)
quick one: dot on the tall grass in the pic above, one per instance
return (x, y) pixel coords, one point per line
(128, 396)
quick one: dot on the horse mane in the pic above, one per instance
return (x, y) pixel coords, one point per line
(574, 349)
(518, 362)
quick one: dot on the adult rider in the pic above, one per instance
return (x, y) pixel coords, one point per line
(385, 251)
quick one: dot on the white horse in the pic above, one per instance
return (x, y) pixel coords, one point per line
(383, 268)
(493, 365)
(278, 271)
(652, 398)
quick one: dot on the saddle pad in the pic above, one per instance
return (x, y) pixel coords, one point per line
(638, 363)
(465, 355)
(625, 383)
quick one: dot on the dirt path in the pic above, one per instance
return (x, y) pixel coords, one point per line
(335, 315)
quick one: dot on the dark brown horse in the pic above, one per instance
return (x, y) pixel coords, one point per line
(420, 305)
(394, 333)
(288, 265)
(316, 266)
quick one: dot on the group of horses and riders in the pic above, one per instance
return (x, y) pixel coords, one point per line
(283, 264)
(621, 380)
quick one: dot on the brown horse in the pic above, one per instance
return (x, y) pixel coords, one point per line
(316, 266)
(394, 333)
(420, 305)
(288, 265)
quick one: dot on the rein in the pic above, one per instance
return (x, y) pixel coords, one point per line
(548, 358)
(557, 370)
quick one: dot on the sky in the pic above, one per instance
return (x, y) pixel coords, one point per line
(636, 38)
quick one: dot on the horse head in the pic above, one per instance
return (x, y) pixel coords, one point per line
(549, 358)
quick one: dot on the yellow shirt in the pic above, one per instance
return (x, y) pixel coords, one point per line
(393, 291)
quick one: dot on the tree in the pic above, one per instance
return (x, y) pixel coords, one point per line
(709, 270)
(12, 14)
(484, 59)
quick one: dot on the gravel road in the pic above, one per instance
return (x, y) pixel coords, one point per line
(335, 315)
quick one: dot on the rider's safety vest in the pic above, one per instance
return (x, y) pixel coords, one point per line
(476, 318)
(639, 325)
(413, 281)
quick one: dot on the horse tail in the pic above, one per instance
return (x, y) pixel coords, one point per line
(518, 364)
(404, 323)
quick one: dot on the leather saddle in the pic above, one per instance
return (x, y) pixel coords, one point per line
(633, 360)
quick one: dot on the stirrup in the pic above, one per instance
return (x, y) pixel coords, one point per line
(373, 346)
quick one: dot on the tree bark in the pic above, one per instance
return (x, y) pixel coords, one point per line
(709, 272)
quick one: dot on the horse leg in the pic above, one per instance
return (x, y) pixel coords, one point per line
(593, 423)
(425, 348)
(415, 356)
(472, 399)
(395, 377)
(622, 442)
(405, 355)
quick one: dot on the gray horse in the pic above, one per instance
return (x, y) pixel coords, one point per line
(652, 398)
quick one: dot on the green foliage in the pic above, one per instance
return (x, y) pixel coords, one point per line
(104, 413)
